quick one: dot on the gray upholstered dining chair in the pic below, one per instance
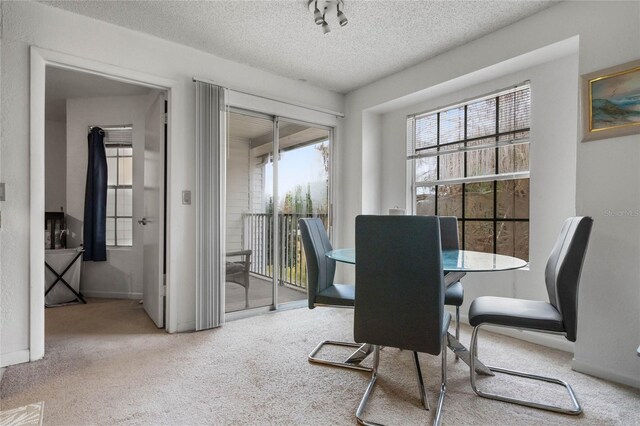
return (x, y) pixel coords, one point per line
(321, 290)
(454, 292)
(559, 315)
(400, 293)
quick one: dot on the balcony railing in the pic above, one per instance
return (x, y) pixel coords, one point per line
(258, 232)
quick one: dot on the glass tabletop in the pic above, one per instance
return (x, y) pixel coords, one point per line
(452, 260)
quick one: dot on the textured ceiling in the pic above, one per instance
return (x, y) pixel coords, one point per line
(382, 37)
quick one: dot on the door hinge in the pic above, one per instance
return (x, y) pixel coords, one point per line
(164, 290)
(165, 118)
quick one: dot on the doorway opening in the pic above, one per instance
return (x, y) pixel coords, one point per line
(131, 122)
(278, 171)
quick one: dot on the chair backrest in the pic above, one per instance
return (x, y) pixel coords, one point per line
(449, 232)
(562, 273)
(320, 269)
(399, 282)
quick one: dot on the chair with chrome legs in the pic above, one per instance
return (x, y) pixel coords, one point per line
(559, 316)
(400, 293)
(322, 291)
(454, 292)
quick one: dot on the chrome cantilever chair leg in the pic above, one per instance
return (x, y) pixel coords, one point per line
(443, 383)
(367, 393)
(577, 409)
(374, 375)
(353, 362)
(423, 392)
(457, 327)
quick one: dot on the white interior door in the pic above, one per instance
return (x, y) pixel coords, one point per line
(153, 220)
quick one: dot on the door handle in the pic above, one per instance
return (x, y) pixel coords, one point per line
(143, 221)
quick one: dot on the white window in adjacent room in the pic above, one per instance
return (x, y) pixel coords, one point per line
(471, 160)
(118, 147)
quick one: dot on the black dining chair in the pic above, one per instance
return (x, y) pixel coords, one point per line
(559, 315)
(400, 293)
(454, 292)
(322, 291)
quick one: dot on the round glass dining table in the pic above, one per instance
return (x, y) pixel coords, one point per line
(452, 260)
(456, 263)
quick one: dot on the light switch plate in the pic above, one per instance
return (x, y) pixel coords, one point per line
(186, 197)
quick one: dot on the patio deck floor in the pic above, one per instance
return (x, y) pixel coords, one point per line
(260, 293)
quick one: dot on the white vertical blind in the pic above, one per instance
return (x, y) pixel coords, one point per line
(209, 202)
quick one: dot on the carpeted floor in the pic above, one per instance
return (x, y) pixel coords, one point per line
(106, 364)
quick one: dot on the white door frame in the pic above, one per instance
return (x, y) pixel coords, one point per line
(40, 58)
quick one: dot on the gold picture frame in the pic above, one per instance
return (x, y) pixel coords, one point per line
(611, 102)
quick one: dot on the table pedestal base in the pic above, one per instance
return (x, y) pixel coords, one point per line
(456, 347)
(360, 354)
(463, 353)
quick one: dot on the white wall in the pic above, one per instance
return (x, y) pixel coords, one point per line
(607, 174)
(121, 275)
(26, 24)
(257, 183)
(56, 165)
(372, 178)
(237, 190)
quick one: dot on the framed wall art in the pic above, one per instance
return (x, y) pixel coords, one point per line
(611, 102)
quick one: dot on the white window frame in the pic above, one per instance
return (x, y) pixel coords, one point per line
(127, 143)
(434, 151)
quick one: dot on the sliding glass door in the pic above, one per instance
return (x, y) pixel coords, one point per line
(249, 215)
(304, 164)
(266, 195)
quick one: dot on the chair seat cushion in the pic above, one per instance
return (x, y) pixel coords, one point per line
(454, 294)
(234, 267)
(338, 295)
(517, 313)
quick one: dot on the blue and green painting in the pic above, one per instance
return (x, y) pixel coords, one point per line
(615, 100)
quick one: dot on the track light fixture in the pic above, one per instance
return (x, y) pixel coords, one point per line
(325, 26)
(323, 8)
(342, 19)
(317, 15)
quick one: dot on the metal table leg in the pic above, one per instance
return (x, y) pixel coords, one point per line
(360, 354)
(458, 348)
(463, 353)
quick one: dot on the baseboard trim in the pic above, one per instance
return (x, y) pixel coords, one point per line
(604, 373)
(186, 327)
(548, 340)
(12, 358)
(112, 294)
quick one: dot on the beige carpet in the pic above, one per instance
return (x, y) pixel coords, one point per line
(107, 364)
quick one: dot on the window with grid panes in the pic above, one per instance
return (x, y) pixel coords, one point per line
(471, 160)
(119, 151)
